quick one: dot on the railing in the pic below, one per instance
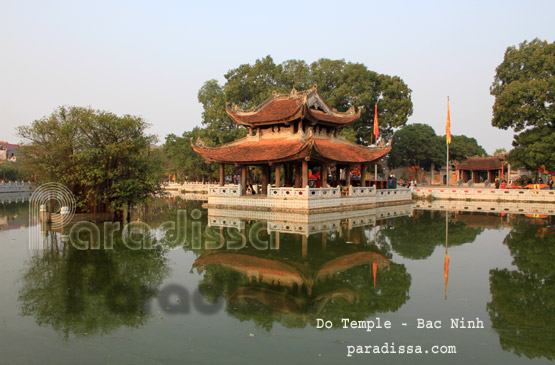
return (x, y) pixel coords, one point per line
(362, 190)
(304, 193)
(393, 194)
(544, 195)
(189, 186)
(15, 186)
(226, 190)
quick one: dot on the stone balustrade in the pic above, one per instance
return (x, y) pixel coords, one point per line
(362, 191)
(226, 190)
(387, 195)
(15, 186)
(488, 194)
(193, 187)
(304, 193)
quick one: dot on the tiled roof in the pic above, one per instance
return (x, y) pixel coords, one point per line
(277, 110)
(244, 151)
(345, 151)
(346, 262)
(332, 118)
(283, 108)
(481, 163)
(251, 265)
(9, 146)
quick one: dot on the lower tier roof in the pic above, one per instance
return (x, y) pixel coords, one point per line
(249, 151)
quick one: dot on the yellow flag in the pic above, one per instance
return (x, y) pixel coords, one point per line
(448, 126)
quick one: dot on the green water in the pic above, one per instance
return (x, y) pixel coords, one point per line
(258, 299)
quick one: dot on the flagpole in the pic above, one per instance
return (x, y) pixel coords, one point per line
(446, 268)
(447, 176)
(447, 166)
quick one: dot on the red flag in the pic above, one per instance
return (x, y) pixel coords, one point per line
(376, 128)
(448, 126)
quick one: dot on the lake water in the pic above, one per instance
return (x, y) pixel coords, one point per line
(209, 293)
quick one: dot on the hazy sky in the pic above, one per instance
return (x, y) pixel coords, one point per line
(151, 58)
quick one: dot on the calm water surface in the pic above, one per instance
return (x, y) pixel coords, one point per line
(186, 299)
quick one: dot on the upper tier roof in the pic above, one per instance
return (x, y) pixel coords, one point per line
(284, 108)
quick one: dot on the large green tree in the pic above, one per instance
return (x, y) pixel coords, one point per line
(103, 158)
(341, 83)
(416, 145)
(185, 163)
(462, 147)
(524, 90)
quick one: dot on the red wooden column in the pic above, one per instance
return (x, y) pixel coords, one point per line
(278, 175)
(286, 175)
(305, 174)
(324, 176)
(243, 180)
(338, 175)
(362, 174)
(265, 179)
(297, 175)
(222, 174)
(348, 176)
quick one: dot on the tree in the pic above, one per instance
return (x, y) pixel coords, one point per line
(415, 145)
(13, 171)
(183, 161)
(522, 306)
(534, 148)
(462, 147)
(104, 159)
(524, 90)
(417, 237)
(91, 292)
(341, 83)
(500, 152)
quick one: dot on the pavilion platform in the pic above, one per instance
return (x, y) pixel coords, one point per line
(307, 199)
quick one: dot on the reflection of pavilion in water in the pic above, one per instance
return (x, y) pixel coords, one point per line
(304, 225)
(347, 273)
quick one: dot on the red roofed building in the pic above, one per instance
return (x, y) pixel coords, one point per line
(298, 131)
(9, 152)
(481, 169)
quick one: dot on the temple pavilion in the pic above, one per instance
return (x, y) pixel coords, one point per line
(288, 134)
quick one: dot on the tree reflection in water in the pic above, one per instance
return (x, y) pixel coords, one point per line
(417, 237)
(522, 308)
(90, 292)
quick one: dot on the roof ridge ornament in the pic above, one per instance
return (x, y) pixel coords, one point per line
(199, 143)
(235, 108)
(294, 93)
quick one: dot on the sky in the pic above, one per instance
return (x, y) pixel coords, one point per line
(151, 58)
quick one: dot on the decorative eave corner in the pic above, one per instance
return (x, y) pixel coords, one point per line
(199, 143)
(383, 144)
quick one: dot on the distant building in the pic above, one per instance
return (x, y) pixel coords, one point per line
(9, 152)
(482, 169)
